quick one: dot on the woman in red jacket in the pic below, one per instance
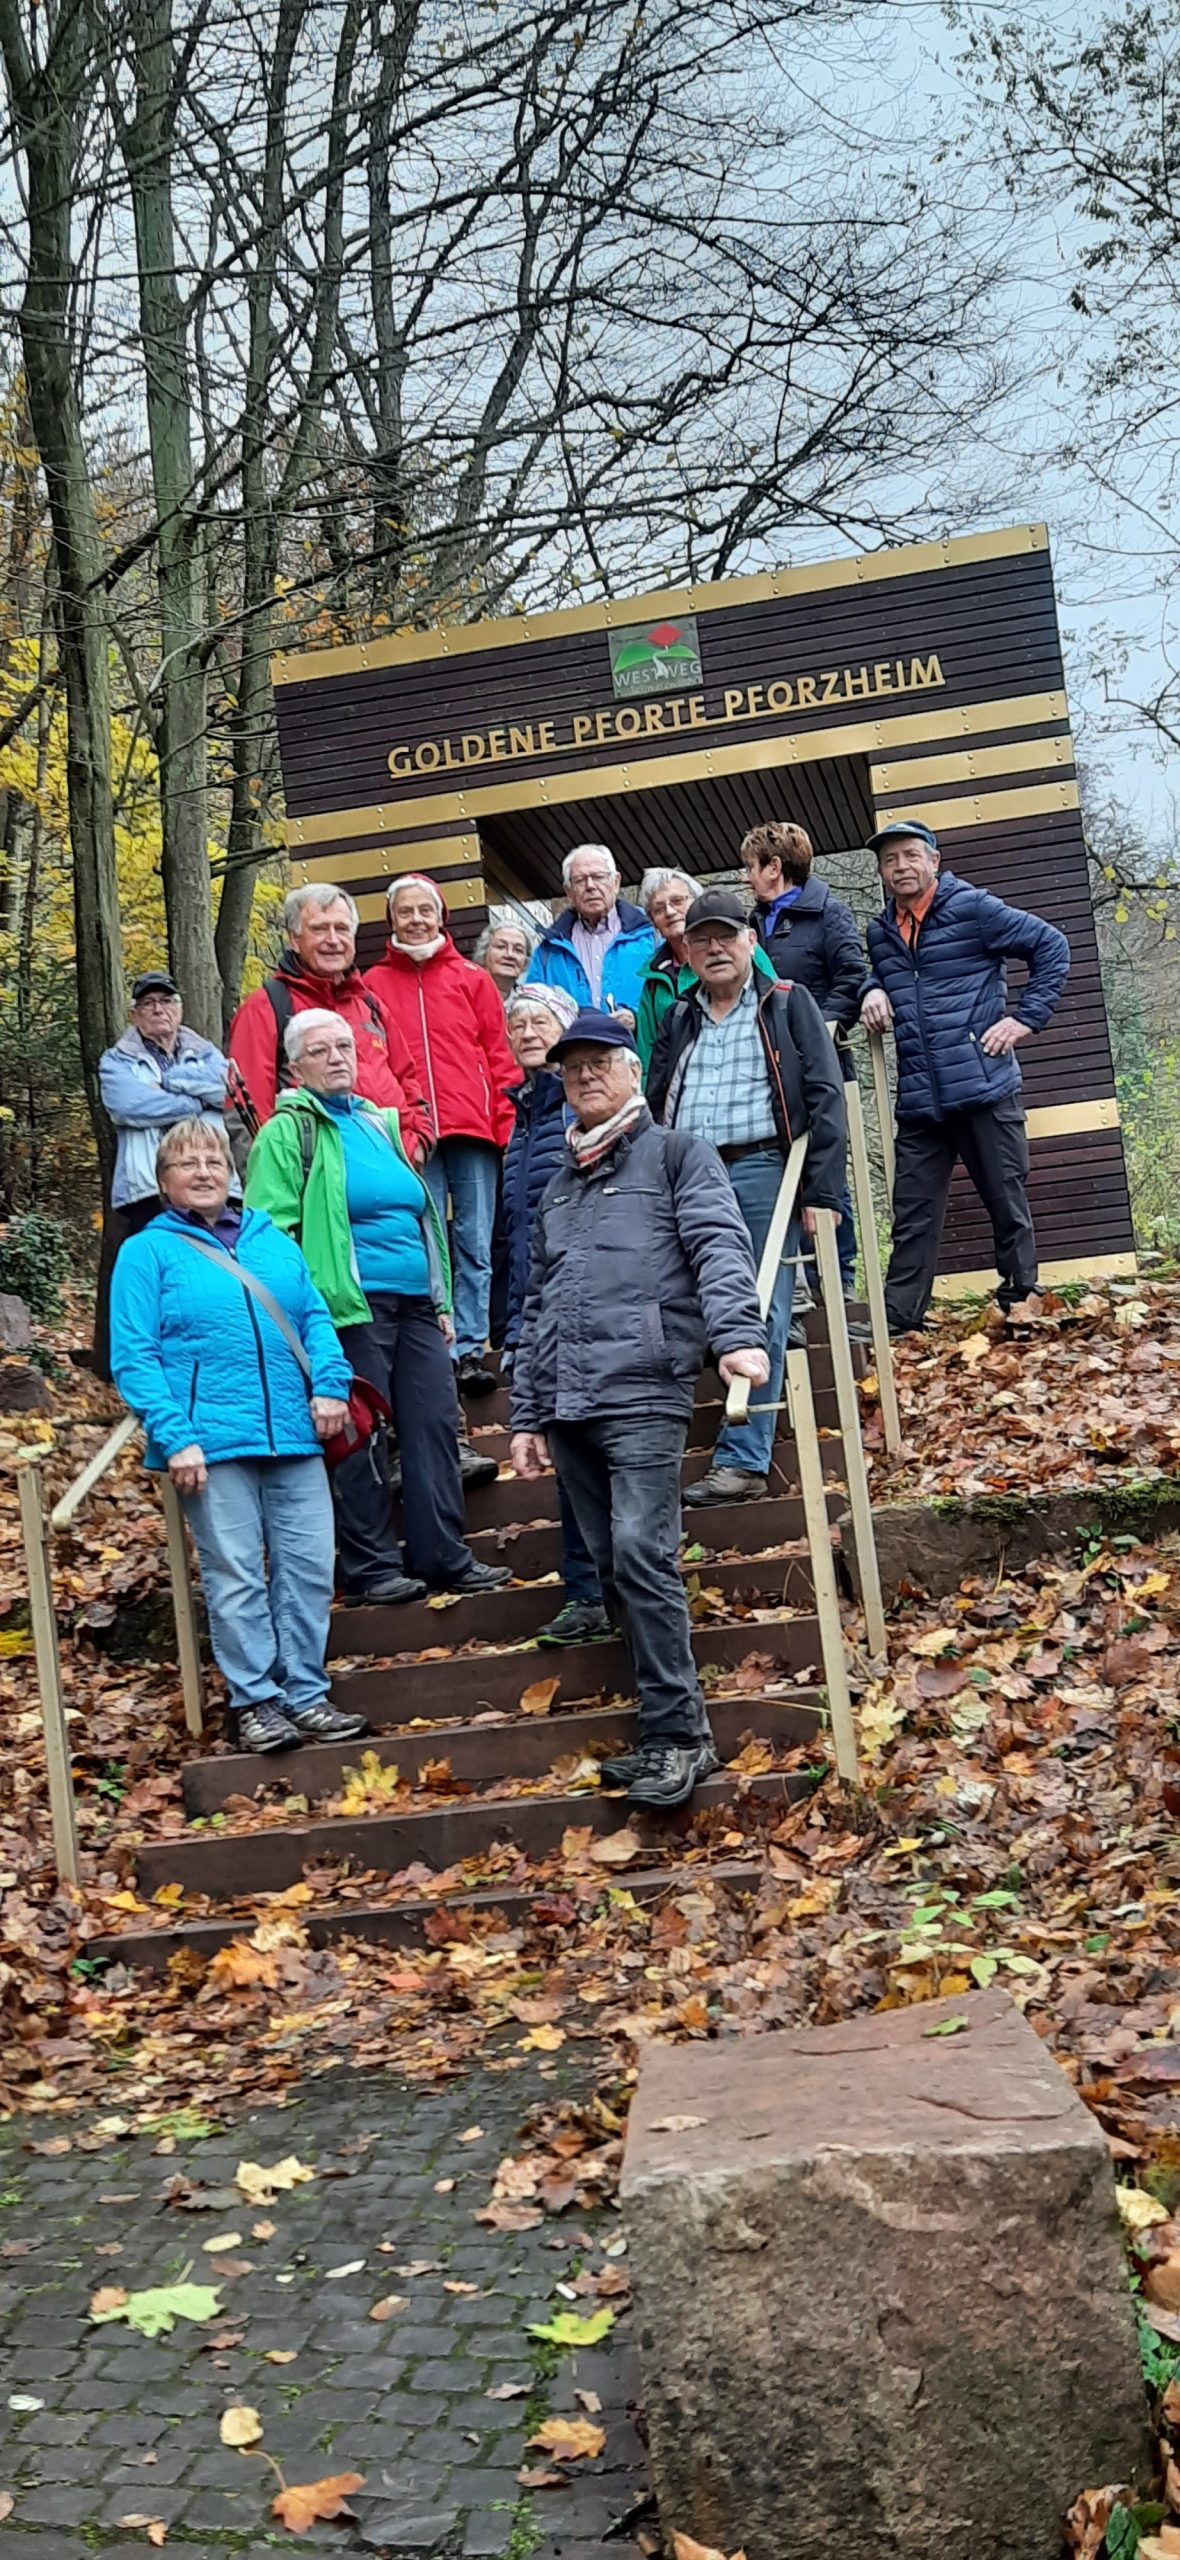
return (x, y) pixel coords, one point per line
(453, 1021)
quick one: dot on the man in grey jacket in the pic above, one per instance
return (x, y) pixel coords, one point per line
(158, 1073)
(640, 1260)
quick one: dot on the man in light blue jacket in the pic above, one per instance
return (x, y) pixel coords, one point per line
(599, 948)
(158, 1073)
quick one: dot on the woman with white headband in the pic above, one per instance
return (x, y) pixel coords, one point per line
(453, 1020)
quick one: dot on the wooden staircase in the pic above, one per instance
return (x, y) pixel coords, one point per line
(472, 1787)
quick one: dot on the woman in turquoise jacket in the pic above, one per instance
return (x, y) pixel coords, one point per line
(226, 1351)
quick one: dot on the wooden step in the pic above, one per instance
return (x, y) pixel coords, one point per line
(515, 1747)
(400, 1923)
(391, 1693)
(513, 1614)
(218, 1863)
(512, 1498)
(493, 1439)
(533, 1547)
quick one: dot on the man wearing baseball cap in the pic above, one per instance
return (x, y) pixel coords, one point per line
(640, 1260)
(751, 1067)
(939, 955)
(159, 1072)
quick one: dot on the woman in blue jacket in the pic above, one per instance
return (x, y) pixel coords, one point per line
(537, 1016)
(202, 1305)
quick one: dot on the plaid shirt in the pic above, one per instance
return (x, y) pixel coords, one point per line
(726, 1091)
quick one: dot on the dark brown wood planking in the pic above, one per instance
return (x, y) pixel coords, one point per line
(218, 1863)
(478, 1753)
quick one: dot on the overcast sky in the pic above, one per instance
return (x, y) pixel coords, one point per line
(899, 81)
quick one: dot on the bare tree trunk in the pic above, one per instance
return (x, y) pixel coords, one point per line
(147, 142)
(265, 510)
(45, 101)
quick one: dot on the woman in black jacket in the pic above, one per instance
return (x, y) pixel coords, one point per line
(536, 1018)
(811, 937)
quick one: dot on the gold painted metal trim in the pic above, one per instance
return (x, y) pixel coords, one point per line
(653, 773)
(970, 764)
(465, 893)
(1098, 1266)
(446, 853)
(461, 639)
(989, 806)
(1066, 1119)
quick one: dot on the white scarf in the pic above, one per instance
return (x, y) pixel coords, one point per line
(587, 1146)
(421, 951)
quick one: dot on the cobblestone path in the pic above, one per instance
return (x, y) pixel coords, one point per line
(99, 2424)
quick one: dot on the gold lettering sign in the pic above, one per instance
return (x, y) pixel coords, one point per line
(626, 721)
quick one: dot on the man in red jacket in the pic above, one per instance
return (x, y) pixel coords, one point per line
(319, 968)
(453, 1020)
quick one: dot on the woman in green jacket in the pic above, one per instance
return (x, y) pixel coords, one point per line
(331, 1170)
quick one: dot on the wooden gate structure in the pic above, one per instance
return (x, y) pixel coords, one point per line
(923, 682)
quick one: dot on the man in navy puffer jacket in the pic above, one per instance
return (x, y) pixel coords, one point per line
(939, 955)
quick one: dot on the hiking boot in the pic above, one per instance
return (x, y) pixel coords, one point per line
(474, 1378)
(796, 1337)
(267, 1728)
(723, 1484)
(473, 1469)
(578, 1622)
(390, 1593)
(477, 1577)
(668, 1772)
(323, 1723)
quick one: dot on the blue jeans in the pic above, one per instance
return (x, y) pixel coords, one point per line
(622, 1478)
(756, 1181)
(845, 1247)
(467, 1172)
(268, 1637)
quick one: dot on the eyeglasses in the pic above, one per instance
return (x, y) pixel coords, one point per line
(328, 1049)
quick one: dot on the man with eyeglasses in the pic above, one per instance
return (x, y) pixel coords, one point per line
(751, 1067)
(640, 1260)
(599, 948)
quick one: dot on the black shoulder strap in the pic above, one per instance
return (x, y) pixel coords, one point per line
(309, 1130)
(282, 1005)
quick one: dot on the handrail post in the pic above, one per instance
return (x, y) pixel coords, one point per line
(184, 1610)
(823, 1572)
(63, 1512)
(866, 1210)
(848, 1405)
(737, 1402)
(35, 1533)
(884, 1110)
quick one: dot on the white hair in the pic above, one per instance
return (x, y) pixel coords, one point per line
(571, 858)
(315, 1018)
(504, 924)
(414, 880)
(316, 893)
(662, 878)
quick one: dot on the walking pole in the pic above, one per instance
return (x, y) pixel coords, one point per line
(737, 1402)
(884, 1110)
(848, 1404)
(819, 1539)
(866, 1211)
(35, 1533)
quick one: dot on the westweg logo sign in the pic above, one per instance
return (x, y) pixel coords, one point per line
(655, 657)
